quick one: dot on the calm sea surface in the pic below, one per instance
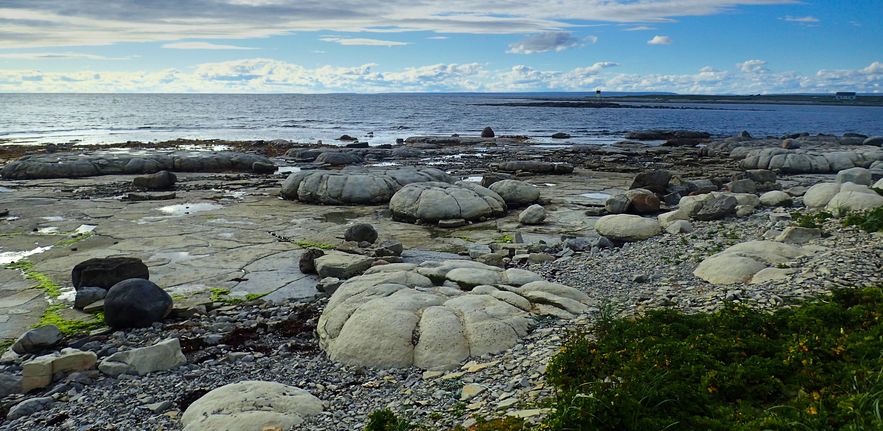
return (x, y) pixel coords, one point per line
(109, 118)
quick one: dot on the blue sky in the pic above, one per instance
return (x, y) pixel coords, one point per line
(686, 46)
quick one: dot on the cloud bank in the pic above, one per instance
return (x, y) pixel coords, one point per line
(556, 41)
(29, 23)
(265, 75)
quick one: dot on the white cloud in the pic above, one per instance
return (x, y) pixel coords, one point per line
(203, 45)
(752, 66)
(265, 75)
(556, 41)
(358, 41)
(437, 37)
(801, 19)
(659, 40)
(27, 23)
(639, 28)
(58, 56)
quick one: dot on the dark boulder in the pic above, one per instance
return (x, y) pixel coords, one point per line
(561, 135)
(162, 180)
(361, 232)
(307, 263)
(346, 138)
(656, 181)
(107, 272)
(135, 303)
(357, 145)
(263, 168)
(717, 208)
(487, 132)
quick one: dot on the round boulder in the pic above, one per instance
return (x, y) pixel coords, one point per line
(855, 175)
(516, 193)
(251, 405)
(775, 198)
(434, 201)
(534, 214)
(135, 303)
(338, 158)
(626, 227)
(162, 180)
(361, 232)
(487, 132)
(642, 201)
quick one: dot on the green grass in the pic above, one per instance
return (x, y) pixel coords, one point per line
(45, 283)
(813, 220)
(67, 242)
(5, 343)
(311, 244)
(387, 420)
(52, 316)
(505, 239)
(818, 366)
(868, 221)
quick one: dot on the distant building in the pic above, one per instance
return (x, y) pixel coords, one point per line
(844, 95)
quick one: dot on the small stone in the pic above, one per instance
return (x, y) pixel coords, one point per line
(88, 295)
(471, 390)
(29, 407)
(307, 262)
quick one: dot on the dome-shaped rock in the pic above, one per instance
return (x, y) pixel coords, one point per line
(434, 201)
(516, 193)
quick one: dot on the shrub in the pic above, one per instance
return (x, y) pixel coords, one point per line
(386, 420)
(868, 221)
(815, 367)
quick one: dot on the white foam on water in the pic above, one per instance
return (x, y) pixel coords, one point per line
(383, 164)
(8, 257)
(287, 169)
(185, 209)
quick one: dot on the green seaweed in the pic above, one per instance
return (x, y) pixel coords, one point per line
(311, 244)
(52, 316)
(52, 289)
(75, 238)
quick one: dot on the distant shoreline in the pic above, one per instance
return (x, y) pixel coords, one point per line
(784, 99)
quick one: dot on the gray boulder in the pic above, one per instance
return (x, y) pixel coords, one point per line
(716, 208)
(626, 228)
(162, 180)
(534, 214)
(135, 303)
(37, 339)
(874, 140)
(855, 175)
(87, 295)
(656, 181)
(516, 193)
(29, 407)
(338, 158)
(161, 356)
(354, 186)
(775, 198)
(435, 201)
(487, 132)
(342, 265)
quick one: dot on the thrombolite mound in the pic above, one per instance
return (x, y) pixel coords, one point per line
(251, 405)
(75, 165)
(840, 198)
(516, 193)
(805, 162)
(741, 263)
(355, 186)
(400, 315)
(434, 201)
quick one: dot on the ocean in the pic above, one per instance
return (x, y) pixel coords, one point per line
(381, 118)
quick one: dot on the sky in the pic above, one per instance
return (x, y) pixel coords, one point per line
(369, 46)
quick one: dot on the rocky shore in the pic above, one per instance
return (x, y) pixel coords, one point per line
(435, 277)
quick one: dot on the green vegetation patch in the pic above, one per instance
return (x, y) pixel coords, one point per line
(387, 420)
(52, 316)
(222, 295)
(311, 244)
(52, 289)
(5, 343)
(818, 366)
(813, 220)
(868, 221)
(505, 239)
(67, 242)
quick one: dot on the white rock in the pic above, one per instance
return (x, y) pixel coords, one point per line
(666, 219)
(820, 194)
(775, 198)
(853, 201)
(626, 227)
(534, 214)
(679, 226)
(739, 263)
(251, 405)
(164, 355)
